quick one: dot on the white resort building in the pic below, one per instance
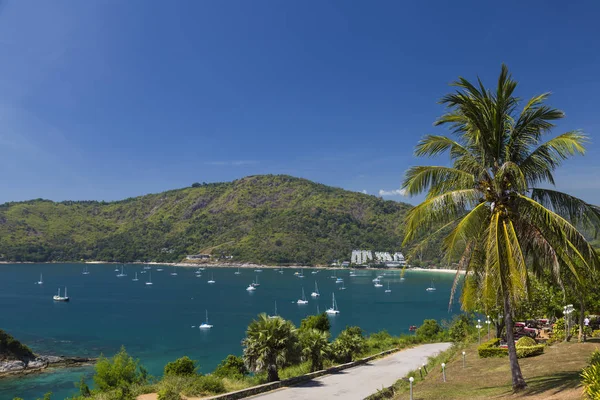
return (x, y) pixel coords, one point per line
(362, 257)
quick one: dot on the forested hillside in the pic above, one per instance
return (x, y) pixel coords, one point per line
(266, 219)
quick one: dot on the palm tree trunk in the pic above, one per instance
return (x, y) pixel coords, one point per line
(272, 374)
(518, 382)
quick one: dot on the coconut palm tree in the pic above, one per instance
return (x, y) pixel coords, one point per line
(270, 344)
(315, 347)
(496, 219)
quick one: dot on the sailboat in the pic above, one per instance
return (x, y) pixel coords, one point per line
(303, 299)
(258, 270)
(352, 273)
(274, 315)
(315, 272)
(333, 310)
(343, 287)
(205, 325)
(116, 269)
(251, 288)
(431, 288)
(58, 297)
(149, 279)
(334, 276)
(237, 272)
(388, 290)
(316, 292)
(41, 281)
(174, 273)
(159, 269)
(378, 284)
(301, 275)
(255, 283)
(136, 278)
(85, 271)
(339, 280)
(122, 274)
(402, 273)
(147, 267)
(212, 279)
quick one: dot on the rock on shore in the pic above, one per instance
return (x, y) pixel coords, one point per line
(18, 367)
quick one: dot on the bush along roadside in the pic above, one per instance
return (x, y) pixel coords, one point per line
(526, 347)
(295, 352)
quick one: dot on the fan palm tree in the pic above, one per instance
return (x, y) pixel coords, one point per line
(315, 347)
(496, 219)
(270, 344)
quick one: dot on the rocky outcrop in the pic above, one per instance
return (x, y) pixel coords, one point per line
(40, 363)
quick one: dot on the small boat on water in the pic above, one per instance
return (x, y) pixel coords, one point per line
(136, 278)
(85, 271)
(274, 315)
(212, 279)
(314, 272)
(412, 328)
(237, 272)
(174, 273)
(205, 325)
(303, 299)
(122, 274)
(251, 288)
(41, 281)
(431, 288)
(258, 270)
(117, 269)
(159, 269)
(281, 271)
(388, 290)
(143, 271)
(58, 297)
(378, 284)
(343, 287)
(301, 275)
(352, 273)
(255, 283)
(149, 279)
(339, 280)
(316, 292)
(334, 309)
(147, 267)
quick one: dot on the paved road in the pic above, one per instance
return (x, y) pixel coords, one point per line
(362, 381)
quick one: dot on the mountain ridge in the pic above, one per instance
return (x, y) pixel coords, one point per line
(272, 219)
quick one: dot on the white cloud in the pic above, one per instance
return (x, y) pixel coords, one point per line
(395, 192)
(234, 163)
(364, 191)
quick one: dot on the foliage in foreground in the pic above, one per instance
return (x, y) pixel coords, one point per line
(591, 377)
(119, 372)
(182, 366)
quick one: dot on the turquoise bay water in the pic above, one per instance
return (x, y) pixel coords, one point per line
(154, 322)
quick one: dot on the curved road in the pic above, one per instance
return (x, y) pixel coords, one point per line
(362, 381)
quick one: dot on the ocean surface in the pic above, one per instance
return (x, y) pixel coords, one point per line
(155, 322)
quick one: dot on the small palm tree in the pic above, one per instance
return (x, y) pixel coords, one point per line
(315, 347)
(270, 344)
(499, 221)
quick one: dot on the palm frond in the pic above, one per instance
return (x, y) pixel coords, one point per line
(437, 179)
(572, 208)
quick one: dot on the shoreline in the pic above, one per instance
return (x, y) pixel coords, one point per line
(245, 265)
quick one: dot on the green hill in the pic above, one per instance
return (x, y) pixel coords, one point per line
(265, 219)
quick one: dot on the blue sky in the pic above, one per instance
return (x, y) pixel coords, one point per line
(111, 99)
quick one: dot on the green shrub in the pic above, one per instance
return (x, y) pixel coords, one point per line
(591, 381)
(349, 344)
(491, 349)
(429, 330)
(205, 385)
(530, 351)
(596, 333)
(526, 341)
(319, 322)
(181, 367)
(168, 393)
(595, 358)
(460, 328)
(231, 367)
(119, 372)
(558, 330)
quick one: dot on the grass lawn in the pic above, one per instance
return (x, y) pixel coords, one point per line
(553, 375)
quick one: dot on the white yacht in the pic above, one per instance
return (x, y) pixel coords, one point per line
(205, 325)
(149, 279)
(85, 271)
(388, 290)
(159, 269)
(334, 309)
(316, 292)
(431, 288)
(174, 273)
(343, 287)
(122, 274)
(303, 299)
(237, 272)
(147, 267)
(274, 315)
(58, 297)
(41, 281)
(255, 283)
(258, 270)
(212, 279)
(378, 284)
(314, 272)
(301, 274)
(251, 288)
(136, 278)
